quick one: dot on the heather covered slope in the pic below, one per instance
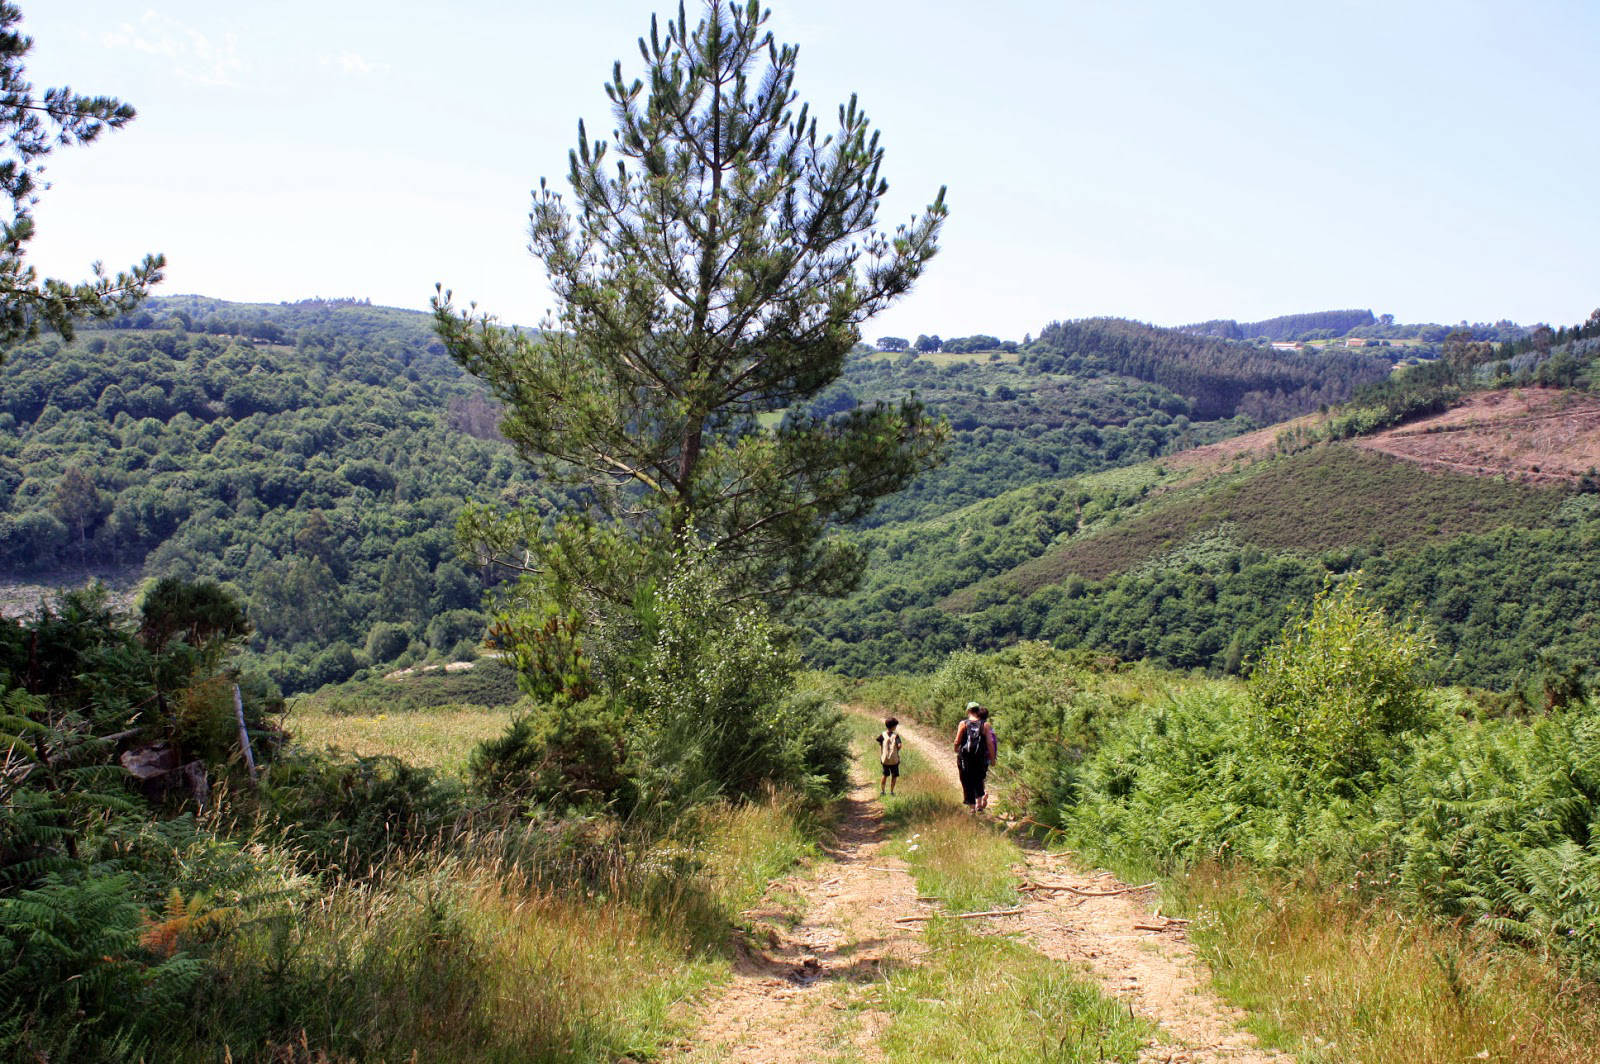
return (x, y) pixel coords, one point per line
(1193, 560)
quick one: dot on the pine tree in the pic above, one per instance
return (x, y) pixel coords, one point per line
(710, 280)
(31, 128)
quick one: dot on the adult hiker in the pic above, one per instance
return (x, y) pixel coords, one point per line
(974, 754)
(994, 748)
(889, 743)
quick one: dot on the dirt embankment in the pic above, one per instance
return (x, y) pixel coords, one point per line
(21, 595)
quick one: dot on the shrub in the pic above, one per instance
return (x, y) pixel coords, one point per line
(334, 664)
(964, 677)
(351, 812)
(560, 756)
(711, 699)
(1340, 684)
(452, 626)
(387, 641)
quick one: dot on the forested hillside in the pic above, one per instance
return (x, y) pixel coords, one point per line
(1219, 378)
(1486, 518)
(316, 455)
(1091, 395)
(1287, 326)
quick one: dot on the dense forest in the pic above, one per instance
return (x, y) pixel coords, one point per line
(1287, 327)
(1218, 377)
(315, 456)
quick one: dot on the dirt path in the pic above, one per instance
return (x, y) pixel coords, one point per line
(785, 1004)
(1156, 972)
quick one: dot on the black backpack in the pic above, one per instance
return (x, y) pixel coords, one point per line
(972, 744)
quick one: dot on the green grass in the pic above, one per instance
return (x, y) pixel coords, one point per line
(982, 998)
(947, 358)
(441, 738)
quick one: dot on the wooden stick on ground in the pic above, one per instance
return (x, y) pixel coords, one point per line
(1093, 893)
(960, 916)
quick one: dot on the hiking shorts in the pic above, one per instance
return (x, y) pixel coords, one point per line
(891, 770)
(973, 772)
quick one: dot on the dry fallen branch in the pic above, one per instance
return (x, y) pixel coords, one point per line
(961, 916)
(1089, 893)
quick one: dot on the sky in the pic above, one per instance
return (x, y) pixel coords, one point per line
(1165, 161)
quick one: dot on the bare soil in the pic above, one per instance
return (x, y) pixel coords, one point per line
(1215, 457)
(787, 1001)
(1538, 435)
(20, 595)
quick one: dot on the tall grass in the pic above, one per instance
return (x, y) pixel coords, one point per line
(441, 738)
(1365, 984)
(541, 942)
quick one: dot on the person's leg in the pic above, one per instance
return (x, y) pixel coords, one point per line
(883, 781)
(970, 783)
(894, 777)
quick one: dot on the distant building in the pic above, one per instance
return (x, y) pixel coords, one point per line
(1355, 342)
(1286, 345)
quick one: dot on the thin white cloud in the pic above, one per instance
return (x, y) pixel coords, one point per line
(354, 63)
(195, 57)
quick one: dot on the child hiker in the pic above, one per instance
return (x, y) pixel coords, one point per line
(889, 754)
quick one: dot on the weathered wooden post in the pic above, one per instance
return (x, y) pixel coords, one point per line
(244, 734)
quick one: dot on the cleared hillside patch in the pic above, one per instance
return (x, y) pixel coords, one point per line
(1540, 435)
(1320, 499)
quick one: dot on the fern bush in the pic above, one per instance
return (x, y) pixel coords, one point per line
(1333, 762)
(77, 983)
(350, 813)
(1500, 821)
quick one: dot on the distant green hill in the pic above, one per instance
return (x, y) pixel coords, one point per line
(1199, 568)
(316, 454)
(1091, 395)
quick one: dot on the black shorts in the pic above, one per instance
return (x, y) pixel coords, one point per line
(891, 770)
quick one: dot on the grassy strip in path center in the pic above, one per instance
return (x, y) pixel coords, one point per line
(966, 863)
(973, 996)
